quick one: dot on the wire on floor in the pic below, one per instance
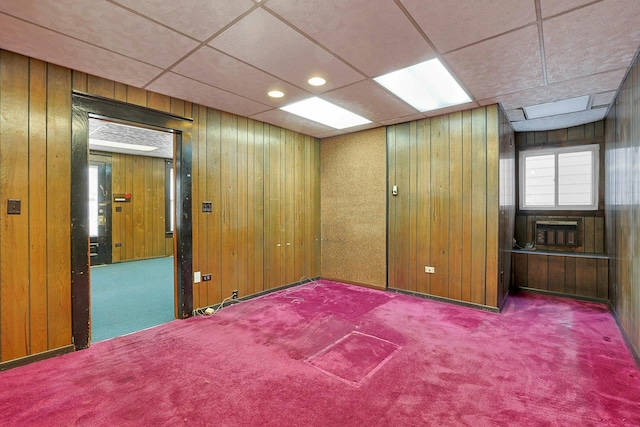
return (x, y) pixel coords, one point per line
(210, 310)
(297, 298)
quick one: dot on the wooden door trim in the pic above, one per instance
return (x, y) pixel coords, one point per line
(82, 106)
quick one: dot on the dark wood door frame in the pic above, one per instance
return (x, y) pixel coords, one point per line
(84, 105)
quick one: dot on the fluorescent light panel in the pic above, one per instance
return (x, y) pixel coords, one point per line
(93, 143)
(571, 105)
(326, 113)
(425, 86)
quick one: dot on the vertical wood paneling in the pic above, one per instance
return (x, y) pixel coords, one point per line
(570, 276)
(14, 184)
(37, 206)
(35, 135)
(456, 178)
(229, 203)
(467, 207)
(556, 274)
(101, 87)
(58, 206)
(299, 220)
(521, 270)
(622, 205)
(493, 203)
(275, 207)
(259, 206)
(423, 204)
(478, 205)
(586, 276)
(136, 96)
(581, 276)
(403, 204)
(439, 192)
(413, 209)
(214, 230)
(289, 209)
(139, 228)
(458, 227)
(243, 236)
(538, 272)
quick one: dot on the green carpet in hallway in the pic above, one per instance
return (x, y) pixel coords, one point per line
(130, 296)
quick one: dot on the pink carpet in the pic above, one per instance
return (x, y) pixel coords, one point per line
(330, 354)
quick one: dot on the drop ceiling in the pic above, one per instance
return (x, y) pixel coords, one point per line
(229, 54)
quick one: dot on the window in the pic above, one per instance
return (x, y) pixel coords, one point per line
(169, 206)
(559, 178)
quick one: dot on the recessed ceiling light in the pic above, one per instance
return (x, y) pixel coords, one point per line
(425, 86)
(95, 143)
(316, 81)
(571, 105)
(324, 112)
(276, 94)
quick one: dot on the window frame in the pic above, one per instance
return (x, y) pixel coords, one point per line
(555, 151)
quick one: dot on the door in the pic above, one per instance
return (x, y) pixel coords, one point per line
(99, 212)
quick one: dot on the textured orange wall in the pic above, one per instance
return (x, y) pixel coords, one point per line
(353, 207)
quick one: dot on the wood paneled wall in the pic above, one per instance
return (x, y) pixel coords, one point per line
(138, 230)
(264, 182)
(354, 203)
(448, 208)
(622, 205)
(571, 275)
(591, 223)
(35, 134)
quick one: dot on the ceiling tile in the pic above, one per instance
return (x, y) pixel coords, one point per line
(190, 90)
(592, 39)
(222, 71)
(197, 18)
(554, 7)
(374, 36)
(560, 122)
(558, 91)
(405, 119)
(452, 109)
(346, 131)
(453, 24)
(370, 100)
(28, 39)
(292, 122)
(515, 115)
(500, 65)
(604, 98)
(266, 42)
(106, 25)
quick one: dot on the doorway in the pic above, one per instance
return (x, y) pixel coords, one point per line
(131, 227)
(84, 107)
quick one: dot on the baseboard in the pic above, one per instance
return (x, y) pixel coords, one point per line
(36, 357)
(447, 300)
(261, 293)
(561, 294)
(364, 285)
(625, 336)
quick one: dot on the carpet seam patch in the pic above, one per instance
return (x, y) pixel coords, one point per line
(356, 384)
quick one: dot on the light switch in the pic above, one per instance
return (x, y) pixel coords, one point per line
(13, 206)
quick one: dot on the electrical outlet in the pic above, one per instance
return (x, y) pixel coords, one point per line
(196, 277)
(429, 269)
(209, 311)
(234, 294)
(206, 277)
